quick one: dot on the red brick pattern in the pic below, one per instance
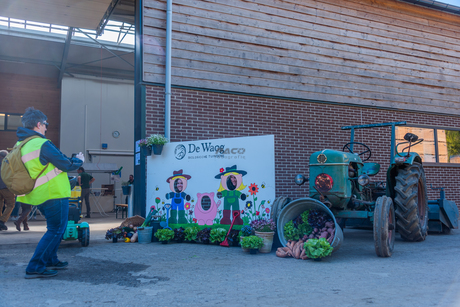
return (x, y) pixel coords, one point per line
(300, 128)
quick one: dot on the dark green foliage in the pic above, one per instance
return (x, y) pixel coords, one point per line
(233, 237)
(252, 242)
(204, 235)
(453, 143)
(290, 231)
(164, 234)
(218, 235)
(317, 248)
(179, 234)
(190, 233)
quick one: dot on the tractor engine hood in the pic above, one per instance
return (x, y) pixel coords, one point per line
(329, 176)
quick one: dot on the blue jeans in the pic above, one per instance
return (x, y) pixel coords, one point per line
(56, 212)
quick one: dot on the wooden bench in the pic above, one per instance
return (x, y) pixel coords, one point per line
(123, 208)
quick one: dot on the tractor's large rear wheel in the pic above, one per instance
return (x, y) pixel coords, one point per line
(384, 226)
(411, 203)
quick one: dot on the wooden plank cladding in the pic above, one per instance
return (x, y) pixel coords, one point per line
(381, 53)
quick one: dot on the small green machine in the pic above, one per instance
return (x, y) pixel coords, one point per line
(341, 181)
(75, 230)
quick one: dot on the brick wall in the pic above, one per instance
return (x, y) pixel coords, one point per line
(18, 92)
(300, 128)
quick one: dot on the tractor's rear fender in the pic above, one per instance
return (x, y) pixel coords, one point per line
(83, 225)
(395, 166)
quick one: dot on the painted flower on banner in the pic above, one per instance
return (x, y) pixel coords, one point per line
(157, 200)
(187, 206)
(221, 170)
(267, 210)
(190, 212)
(249, 204)
(195, 220)
(253, 189)
(257, 212)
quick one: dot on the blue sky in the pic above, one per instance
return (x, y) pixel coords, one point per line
(454, 2)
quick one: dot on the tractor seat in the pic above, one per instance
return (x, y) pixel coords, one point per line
(371, 168)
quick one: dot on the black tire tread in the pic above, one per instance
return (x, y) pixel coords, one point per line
(383, 245)
(85, 237)
(406, 206)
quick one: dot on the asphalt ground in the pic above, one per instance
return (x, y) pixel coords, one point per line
(184, 274)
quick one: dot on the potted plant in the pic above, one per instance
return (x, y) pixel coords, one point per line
(245, 231)
(233, 237)
(204, 235)
(253, 243)
(114, 234)
(317, 249)
(191, 233)
(157, 141)
(125, 187)
(265, 229)
(217, 235)
(179, 235)
(164, 235)
(146, 147)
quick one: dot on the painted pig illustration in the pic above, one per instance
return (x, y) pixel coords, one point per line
(206, 208)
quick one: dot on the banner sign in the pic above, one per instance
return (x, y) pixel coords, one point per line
(209, 182)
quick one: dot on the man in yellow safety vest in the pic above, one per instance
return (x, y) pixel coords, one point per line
(51, 191)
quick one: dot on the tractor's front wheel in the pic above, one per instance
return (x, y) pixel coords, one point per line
(84, 236)
(411, 203)
(384, 226)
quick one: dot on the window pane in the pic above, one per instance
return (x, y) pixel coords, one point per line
(425, 149)
(14, 121)
(2, 121)
(449, 146)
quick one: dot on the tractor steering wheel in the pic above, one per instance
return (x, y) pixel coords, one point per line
(367, 157)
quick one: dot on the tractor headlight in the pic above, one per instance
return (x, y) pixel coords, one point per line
(300, 179)
(324, 183)
(363, 180)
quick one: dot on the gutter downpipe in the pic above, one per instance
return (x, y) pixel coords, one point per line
(168, 70)
(139, 194)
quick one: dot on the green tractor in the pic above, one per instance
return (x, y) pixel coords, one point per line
(341, 181)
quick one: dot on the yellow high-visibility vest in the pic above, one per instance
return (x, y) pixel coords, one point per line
(52, 183)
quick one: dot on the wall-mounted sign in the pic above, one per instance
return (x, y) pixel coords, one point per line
(207, 182)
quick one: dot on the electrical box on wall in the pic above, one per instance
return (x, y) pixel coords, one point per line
(104, 146)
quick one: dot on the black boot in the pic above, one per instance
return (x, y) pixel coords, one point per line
(3, 226)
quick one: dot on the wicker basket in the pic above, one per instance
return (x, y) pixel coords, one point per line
(136, 221)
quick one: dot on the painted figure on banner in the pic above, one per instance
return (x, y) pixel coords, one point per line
(206, 208)
(231, 185)
(178, 184)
